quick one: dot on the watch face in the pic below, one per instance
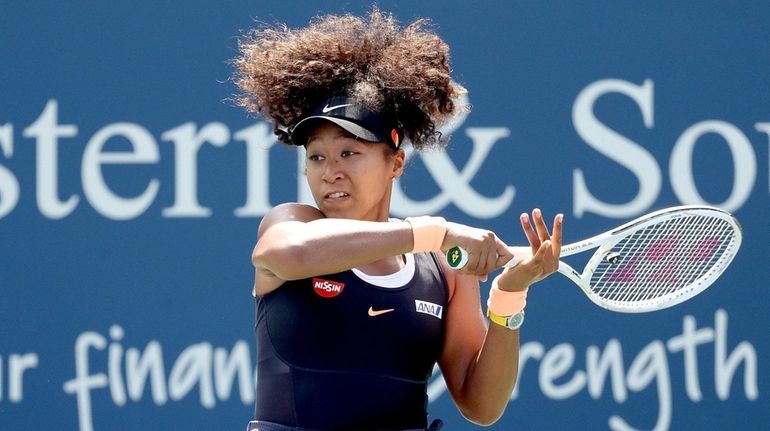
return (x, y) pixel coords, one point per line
(515, 321)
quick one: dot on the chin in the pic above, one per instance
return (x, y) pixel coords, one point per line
(336, 213)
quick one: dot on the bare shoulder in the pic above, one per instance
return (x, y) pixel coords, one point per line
(289, 212)
(279, 217)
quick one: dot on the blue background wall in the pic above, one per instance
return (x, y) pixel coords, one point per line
(90, 290)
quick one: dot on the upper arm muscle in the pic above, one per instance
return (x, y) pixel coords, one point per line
(465, 330)
(264, 279)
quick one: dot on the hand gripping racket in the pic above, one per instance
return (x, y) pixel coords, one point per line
(648, 264)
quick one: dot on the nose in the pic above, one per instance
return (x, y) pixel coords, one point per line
(332, 172)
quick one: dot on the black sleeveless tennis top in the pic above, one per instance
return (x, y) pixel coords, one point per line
(337, 352)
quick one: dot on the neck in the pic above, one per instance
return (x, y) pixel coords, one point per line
(383, 211)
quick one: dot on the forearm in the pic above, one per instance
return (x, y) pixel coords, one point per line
(492, 376)
(295, 250)
(485, 379)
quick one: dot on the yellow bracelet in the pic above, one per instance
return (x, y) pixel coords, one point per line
(509, 322)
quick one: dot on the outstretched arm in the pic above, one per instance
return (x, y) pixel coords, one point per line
(480, 362)
(296, 241)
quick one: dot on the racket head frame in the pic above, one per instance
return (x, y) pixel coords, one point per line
(606, 241)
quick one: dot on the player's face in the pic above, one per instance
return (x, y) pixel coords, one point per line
(350, 178)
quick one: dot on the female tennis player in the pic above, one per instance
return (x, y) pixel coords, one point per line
(354, 308)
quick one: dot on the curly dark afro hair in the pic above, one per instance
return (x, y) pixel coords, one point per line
(402, 73)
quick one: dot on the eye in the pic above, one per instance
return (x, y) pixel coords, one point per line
(314, 157)
(345, 154)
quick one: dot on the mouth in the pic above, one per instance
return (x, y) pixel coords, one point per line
(336, 195)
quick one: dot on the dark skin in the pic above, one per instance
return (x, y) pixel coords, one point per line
(351, 181)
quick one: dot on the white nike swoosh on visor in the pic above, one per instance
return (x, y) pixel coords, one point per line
(328, 108)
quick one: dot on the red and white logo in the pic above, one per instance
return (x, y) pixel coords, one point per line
(327, 288)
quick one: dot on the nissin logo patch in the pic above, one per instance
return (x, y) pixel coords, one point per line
(425, 307)
(327, 288)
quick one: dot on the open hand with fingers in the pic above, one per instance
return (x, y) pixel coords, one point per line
(546, 248)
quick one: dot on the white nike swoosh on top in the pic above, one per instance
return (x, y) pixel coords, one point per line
(378, 312)
(328, 108)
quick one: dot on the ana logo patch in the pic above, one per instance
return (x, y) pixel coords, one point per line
(327, 288)
(426, 307)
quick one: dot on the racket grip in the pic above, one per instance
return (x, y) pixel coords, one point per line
(457, 257)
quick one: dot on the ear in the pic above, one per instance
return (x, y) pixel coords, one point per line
(399, 158)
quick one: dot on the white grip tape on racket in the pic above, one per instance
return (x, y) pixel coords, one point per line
(457, 257)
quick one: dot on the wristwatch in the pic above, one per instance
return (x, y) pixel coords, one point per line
(511, 322)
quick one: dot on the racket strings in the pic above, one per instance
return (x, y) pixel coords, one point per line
(663, 259)
(707, 252)
(661, 271)
(667, 268)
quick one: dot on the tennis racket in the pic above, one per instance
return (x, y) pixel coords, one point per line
(648, 264)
